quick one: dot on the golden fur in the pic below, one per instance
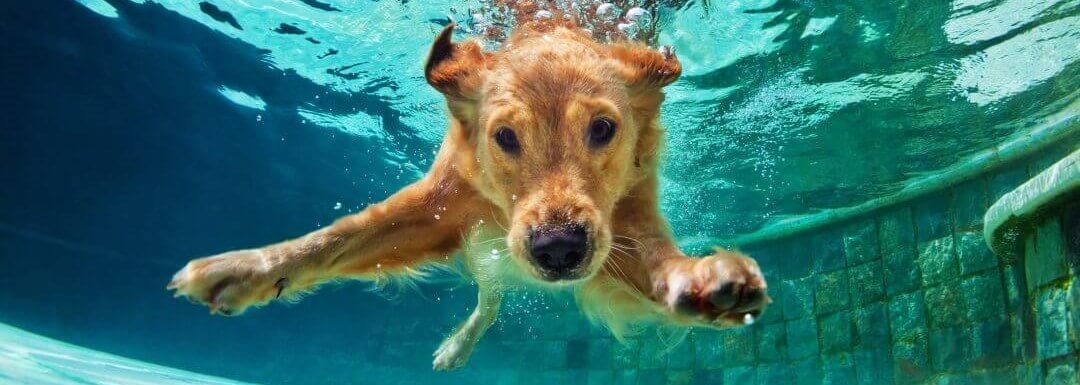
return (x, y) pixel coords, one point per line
(548, 83)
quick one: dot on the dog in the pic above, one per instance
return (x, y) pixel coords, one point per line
(546, 179)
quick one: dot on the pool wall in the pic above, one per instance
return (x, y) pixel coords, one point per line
(907, 292)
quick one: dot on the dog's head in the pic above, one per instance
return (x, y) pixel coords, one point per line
(555, 129)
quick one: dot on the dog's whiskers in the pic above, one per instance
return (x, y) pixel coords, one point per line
(484, 242)
(639, 243)
(495, 218)
(619, 257)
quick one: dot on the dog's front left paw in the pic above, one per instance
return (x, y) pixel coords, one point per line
(722, 290)
(453, 353)
(228, 283)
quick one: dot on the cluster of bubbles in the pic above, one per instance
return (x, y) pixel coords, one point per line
(607, 21)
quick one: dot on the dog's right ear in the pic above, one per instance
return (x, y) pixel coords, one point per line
(455, 69)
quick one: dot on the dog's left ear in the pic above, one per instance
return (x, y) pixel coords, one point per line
(646, 69)
(455, 69)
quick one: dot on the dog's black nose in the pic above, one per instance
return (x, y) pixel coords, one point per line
(559, 250)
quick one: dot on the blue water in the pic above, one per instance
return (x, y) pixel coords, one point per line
(139, 134)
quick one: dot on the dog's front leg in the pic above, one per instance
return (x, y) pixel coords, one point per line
(723, 289)
(456, 349)
(417, 224)
(485, 269)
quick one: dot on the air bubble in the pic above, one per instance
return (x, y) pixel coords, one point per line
(637, 14)
(607, 11)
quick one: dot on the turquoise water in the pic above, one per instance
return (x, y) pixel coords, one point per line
(139, 134)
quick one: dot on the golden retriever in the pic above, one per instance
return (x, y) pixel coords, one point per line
(547, 176)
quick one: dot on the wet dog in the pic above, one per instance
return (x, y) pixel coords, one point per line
(547, 177)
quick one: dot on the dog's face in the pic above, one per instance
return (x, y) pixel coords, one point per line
(554, 133)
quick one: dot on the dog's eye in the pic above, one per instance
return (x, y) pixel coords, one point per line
(507, 140)
(601, 131)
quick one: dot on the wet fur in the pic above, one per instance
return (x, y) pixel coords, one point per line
(548, 82)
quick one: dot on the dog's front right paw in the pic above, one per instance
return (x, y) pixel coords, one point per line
(723, 290)
(228, 283)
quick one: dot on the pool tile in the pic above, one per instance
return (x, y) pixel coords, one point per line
(802, 338)
(628, 376)
(740, 375)
(679, 377)
(831, 293)
(828, 246)
(717, 349)
(944, 304)
(860, 241)
(911, 359)
(1045, 255)
(799, 262)
(950, 349)
(838, 369)
(653, 354)
(873, 366)
(803, 372)
(772, 342)
(599, 354)
(1052, 319)
(709, 377)
(973, 254)
(651, 377)
(769, 374)
(866, 282)
(798, 297)
(872, 326)
(681, 355)
(908, 315)
(983, 297)
(991, 343)
(626, 353)
(1061, 372)
(932, 218)
(937, 260)
(896, 234)
(836, 332)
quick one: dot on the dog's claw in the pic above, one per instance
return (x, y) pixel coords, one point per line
(228, 283)
(668, 52)
(281, 284)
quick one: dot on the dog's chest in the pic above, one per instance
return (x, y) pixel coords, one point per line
(488, 259)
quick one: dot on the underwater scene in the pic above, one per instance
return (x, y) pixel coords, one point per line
(904, 175)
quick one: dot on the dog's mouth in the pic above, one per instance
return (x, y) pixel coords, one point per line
(563, 275)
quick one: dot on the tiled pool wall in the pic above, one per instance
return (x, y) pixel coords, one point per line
(912, 294)
(908, 294)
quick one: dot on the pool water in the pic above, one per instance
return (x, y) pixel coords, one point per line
(139, 134)
(27, 358)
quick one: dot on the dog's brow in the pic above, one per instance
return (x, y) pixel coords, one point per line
(548, 88)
